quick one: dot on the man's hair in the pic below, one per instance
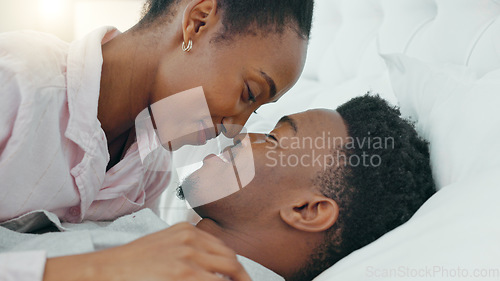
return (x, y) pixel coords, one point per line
(249, 16)
(373, 199)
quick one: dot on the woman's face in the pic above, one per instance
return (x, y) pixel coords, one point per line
(237, 76)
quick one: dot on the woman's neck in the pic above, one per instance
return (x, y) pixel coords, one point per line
(126, 80)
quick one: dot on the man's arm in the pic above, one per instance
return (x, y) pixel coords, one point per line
(181, 252)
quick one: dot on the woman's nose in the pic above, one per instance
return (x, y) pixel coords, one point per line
(234, 125)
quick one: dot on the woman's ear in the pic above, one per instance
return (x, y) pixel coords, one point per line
(197, 17)
(314, 214)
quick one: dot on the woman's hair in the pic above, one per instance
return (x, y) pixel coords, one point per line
(379, 194)
(247, 16)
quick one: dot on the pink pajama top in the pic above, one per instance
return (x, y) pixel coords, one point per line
(53, 151)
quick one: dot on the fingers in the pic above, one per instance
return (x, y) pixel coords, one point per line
(206, 276)
(187, 234)
(210, 253)
(190, 252)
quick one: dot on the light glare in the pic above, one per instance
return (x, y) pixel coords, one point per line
(51, 9)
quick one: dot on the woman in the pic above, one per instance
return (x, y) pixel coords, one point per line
(67, 137)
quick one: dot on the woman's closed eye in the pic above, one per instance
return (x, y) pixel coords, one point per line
(251, 96)
(272, 137)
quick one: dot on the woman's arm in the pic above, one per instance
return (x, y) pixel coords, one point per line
(181, 252)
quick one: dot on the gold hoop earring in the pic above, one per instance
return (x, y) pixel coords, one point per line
(188, 47)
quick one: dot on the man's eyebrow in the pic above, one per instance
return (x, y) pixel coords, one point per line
(271, 83)
(290, 121)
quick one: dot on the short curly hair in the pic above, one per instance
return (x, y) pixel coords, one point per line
(376, 198)
(242, 17)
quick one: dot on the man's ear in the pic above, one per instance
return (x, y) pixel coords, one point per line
(198, 16)
(316, 213)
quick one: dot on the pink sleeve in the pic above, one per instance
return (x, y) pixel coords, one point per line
(9, 104)
(22, 266)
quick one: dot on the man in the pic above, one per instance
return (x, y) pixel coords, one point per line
(326, 183)
(360, 172)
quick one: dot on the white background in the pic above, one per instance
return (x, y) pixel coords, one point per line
(68, 19)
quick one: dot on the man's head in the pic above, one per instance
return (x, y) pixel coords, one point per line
(326, 183)
(244, 53)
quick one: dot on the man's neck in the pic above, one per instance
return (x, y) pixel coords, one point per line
(264, 246)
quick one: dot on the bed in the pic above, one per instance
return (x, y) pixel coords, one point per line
(439, 60)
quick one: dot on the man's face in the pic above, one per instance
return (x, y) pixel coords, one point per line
(283, 162)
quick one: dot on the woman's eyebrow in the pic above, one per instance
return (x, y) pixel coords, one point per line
(271, 83)
(290, 121)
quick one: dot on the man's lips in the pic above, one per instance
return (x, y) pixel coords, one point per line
(223, 158)
(227, 155)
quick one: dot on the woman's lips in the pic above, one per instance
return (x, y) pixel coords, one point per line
(205, 133)
(202, 136)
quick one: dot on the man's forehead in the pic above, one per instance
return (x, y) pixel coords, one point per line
(290, 121)
(321, 119)
(313, 116)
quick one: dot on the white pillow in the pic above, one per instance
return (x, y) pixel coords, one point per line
(455, 233)
(455, 111)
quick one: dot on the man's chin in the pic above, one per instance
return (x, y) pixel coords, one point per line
(186, 192)
(209, 212)
(206, 211)
(199, 211)
(188, 184)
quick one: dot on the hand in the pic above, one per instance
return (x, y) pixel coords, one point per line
(179, 253)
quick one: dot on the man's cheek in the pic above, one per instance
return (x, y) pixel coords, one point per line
(271, 160)
(244, 162)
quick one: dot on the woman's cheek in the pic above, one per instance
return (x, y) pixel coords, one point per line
(225, 106)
